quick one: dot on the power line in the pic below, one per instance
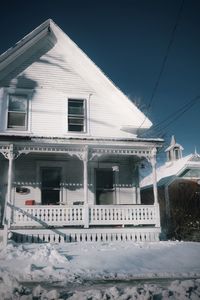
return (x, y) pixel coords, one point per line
(166, 55)
(176, 112)
(172, 37)
(174, 116)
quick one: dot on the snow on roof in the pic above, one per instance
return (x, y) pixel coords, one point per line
(170, 169)
(174, 146)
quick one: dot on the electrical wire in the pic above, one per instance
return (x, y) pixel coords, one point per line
(184, 108)
(163, 65)
(158, 128)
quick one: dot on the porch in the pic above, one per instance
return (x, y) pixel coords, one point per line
(84, 223)
(83, 178)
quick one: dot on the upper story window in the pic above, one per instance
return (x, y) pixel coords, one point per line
(17, 113)
(76, 115)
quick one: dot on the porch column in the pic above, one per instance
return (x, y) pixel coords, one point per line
(85, 175)
(85, 186)
(137, 179)
(154, 175)
(8, 202)
(155, 190)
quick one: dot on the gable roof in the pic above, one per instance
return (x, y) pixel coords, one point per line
(80, 60)
(170, 170)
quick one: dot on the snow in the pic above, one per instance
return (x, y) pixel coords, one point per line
(166, 171)
(100, 270)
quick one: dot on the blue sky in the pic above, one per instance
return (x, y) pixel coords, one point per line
(128, 40)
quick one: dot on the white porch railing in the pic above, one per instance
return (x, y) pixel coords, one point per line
(49, 216)
(80, 215)
(122, 215)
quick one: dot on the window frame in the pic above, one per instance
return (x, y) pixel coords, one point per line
(18, 92)
(85, 119)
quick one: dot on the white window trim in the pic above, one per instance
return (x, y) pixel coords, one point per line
(16, 91)
(86, 99)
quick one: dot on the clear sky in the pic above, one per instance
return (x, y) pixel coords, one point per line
(128, 40)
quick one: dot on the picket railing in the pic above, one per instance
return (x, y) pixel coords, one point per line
(86, 215)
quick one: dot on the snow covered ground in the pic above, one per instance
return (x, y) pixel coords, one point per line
(100, 271)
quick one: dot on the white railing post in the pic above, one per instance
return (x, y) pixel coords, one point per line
(157, 215)
(86, 215)
(155, 190)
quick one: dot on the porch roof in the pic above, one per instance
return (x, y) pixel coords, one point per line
(78, 147)
(78, 139)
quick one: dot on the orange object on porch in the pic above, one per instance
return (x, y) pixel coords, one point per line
(30, 202)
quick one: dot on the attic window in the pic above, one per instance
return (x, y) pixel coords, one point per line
(17, 115)
(76, 115)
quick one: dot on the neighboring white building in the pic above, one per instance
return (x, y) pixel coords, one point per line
(70, 146)
(178, 182)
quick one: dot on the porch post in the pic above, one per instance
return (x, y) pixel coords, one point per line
(85, 185)
(138, 193)
(155, 190)
(85, 174)
(9, 202)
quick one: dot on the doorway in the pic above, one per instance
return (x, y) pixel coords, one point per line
(50, 185)
(105, 192)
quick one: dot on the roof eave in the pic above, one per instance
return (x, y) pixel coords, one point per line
(25, 43)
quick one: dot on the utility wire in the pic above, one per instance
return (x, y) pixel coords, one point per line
(184, 108)
(172, 37)
(174, 116)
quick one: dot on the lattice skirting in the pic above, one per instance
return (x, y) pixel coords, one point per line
(85, 235)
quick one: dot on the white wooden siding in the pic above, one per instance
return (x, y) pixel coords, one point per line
(52, 75)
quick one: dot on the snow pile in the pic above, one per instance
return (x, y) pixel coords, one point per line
(8, 285)
(35, 263)
(187, 289)
(134, 260)
(63, 271)
(178, 290)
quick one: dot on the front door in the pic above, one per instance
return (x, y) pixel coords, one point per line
(50, 185)
(105, 192)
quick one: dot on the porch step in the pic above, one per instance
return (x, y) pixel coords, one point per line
(69, 235)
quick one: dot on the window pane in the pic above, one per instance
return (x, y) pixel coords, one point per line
(17, 103)
(16, 120)
(76, 115)
(76, 128)
(75, 107)
(75, 121)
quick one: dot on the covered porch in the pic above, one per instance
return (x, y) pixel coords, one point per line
(105, 196)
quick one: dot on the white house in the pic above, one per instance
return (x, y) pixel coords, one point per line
(178, 182)
(69, 147)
